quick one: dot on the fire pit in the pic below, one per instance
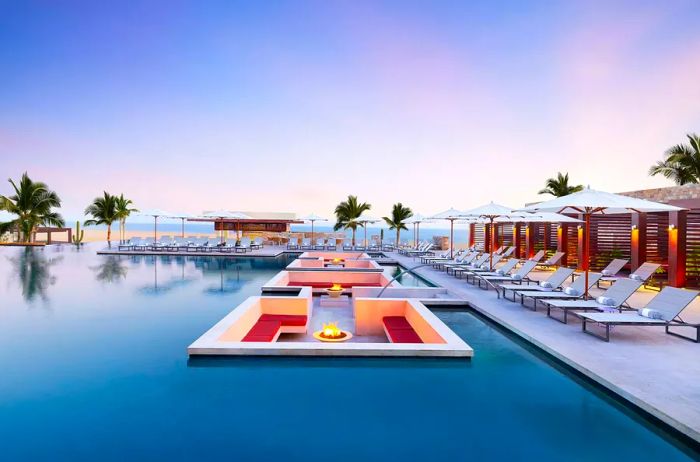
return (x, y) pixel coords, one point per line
(335, 291)
(332, 333)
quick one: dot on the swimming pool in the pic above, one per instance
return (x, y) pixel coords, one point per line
(406, 279)
(94, 367)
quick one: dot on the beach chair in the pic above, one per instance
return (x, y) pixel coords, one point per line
(458, 260)
(509, 251)
(128, 244)
(662, 310)
(468, 265)
(442, 256)
(212, 244)
(243, 246)
(502, 270)
(417, 253)
(575, 291)
(516, 278)
(389, 246)
(612, 269)
(552, 283)
(331, 244)
(320, 244)
(347, 244)
(489, 266)
(147, 243)
(613, 299)
(360, 246)
(306, 244)
(538, 256)
(643, 273)
(293, 243)
(465, 261)
(375, 245)
(257, 243)
(553, 260)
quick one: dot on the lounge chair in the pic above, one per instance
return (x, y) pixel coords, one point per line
(347, 244)
(442, 256)
(212, 245)
(613, 299)
(389, 246)
(538, 256)
(198, 244)
(419, 247)
(502, 270)
(552, 283)
(146, 244)
(552, 261)
(320, 244)
(128, 244)
(489, 266)
(516, 278)
(662, 310)
(331, 244)
(293, 243)
(463, 262)
(468, 265)
(458, 260)
(418, 253)
(509, 251)
(243, 245)
(643, 273)
(306, 244)
(575, 291)
(360, 246)
(612, 269)
(257, 243)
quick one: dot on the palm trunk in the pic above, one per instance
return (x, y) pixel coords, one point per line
(109, 233)
(398, 236)
(353, 237)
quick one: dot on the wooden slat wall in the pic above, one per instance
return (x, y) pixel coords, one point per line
(693, 249)
(657, 238)
(610, 239)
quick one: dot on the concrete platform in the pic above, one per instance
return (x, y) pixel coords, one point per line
(655, 371)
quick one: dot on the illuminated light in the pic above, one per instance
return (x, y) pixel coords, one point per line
(671, 227)
(634, 227)
(332, 333)
(335, 290)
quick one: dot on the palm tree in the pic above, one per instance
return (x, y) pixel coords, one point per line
(559, 186)
(32, 202)
(681, 163)
(347, 213)
(123, 211)
(103, 211)
(397, 221)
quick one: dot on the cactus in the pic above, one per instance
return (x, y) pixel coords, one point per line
(78, 235)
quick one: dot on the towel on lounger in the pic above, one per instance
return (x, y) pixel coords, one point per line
(607, 301)
(546, 285)
(636, 277)
(649, 313)
(606, 273)
(516, 277)
(571, 291)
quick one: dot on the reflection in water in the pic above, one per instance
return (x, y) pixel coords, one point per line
(228, 272)
(33, 271)
(111, 271)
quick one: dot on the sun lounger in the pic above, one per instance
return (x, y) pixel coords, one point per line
(347, 244)
(320, 244)
(360, 246)
(306, 244)
(509, 251)
(643, 273)
(257, 243)
(489, 266)
(538, 256)
(243, 246)
(612, 269)
(662, 310)
(516, 278)
(128, 244)
(331, 244)
(553, 260)
(467, 260)
(504, 269)
(293, 243)
(552, 283)
(458, 270)
(613, 299)
(575, 291)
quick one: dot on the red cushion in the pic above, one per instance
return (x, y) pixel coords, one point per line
(263, 331)
(396, 322)
(326, 285)
(285, 319)
(404, 336)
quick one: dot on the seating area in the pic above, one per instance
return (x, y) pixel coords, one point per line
(191, 244)
(399, 330)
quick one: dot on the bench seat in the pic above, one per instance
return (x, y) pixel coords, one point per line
(399, 330)
(269, 326)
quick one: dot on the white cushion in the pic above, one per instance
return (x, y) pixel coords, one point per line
(606, 273)
(636, 277)
(571, 291)
(546, 285)
(516, 277)
(607, 301)
(649, 313)
(501, 272)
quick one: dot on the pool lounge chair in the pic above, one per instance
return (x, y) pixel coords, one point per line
(360, 246)
(612, 269)
(128, 244)
(418, 253)
(575, 291)
(257, 243)
(389, 246)
(331, 244)
(468, 265)
(293, 243)
(243, 246)
(320, 244)
(466, 260)
(374, 245)
(489, 266)
(516, 278)
(552, 283)
(502, 270)
(613, 299)
(509, 251)
(306, 244)
(347, 244)
(146, 244)
(419, 247)
(662, 310)
(643, 273)
(538, 256)
(443, 256)
(552, 261)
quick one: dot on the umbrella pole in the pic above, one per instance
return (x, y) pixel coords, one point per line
(452, 234)
(183, 227)
(493, 236)
(155, 228)
(417, 232)
(365, 243)
(312, 232)
(586, 249)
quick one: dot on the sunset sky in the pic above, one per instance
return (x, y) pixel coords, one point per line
(291, 106)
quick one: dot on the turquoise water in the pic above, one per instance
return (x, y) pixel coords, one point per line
(405, 279)
(94, 367)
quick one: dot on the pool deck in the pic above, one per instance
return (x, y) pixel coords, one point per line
(655, 371)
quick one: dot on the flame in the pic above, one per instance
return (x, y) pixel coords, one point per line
(337, 260)
(331, 330)
(336, 287)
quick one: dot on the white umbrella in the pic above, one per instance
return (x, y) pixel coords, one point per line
(491, 212)
(225, 215)
(155, 213)
(312, 217)
(182, 217)
(364, 219)
(588, 202)
(450, 215)
(416, 220)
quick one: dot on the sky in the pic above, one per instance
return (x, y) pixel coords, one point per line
(293, 105)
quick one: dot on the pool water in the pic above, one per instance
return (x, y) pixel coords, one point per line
(405, 279)
(94, 367)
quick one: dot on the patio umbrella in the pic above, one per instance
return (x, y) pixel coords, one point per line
(313, 218)
(416, 220)
(491, 212)
(182, 217)
(450, 215)
(589, 202)
(364, 219)
(225, 215)
(155, 213)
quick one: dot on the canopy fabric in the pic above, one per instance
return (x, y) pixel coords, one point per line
(592, 201)
(155, 213)
(367, 219)
(449, 214)
(313, 217)
(490, 210)
(418, 218)
(225, 214)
